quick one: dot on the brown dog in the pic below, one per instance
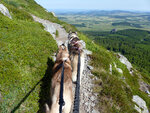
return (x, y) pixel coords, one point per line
(62, 55)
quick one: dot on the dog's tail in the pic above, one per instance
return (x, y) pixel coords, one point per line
(47, 108)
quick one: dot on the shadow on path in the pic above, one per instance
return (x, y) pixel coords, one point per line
(45, 87)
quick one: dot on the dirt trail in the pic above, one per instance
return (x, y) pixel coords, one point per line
(88, 99)
(51, 28)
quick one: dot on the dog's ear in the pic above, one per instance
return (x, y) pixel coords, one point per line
(70, 32)
(63, 46)
(60, 47)
(66, 49)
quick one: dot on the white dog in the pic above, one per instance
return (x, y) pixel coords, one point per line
(75, 46)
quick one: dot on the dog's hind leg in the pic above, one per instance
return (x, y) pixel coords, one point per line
(54, 108)
(55, 100)
(82, 59)
(74, 68)
(68, 98)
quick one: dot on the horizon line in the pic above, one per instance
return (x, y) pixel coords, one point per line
(103, 10)
(83, 10)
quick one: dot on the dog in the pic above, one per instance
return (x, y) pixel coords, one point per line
(62, 56)
(75, 45)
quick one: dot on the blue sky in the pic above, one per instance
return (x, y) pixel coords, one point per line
(137, 5)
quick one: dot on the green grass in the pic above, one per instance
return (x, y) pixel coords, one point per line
(104, 22)
(115, 94)
(57, 33)
(24, 50)
(32, 7)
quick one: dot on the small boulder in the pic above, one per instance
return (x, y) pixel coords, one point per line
(88, 52)
(95, 111)
(5, 11)
(141, 103)
(119, 70)
(53, 14)
(90, 67)
(125, 61)
(110, 69)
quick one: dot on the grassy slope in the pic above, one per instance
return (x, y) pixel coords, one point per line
(25, 47)
(115, 94)
(24, 50)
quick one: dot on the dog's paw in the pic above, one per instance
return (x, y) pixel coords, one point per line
(74, 79)
(47, 108)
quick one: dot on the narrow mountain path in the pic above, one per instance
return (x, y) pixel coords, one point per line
(51, 28)
(88, 99)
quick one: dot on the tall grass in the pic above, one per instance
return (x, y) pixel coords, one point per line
(24, 50)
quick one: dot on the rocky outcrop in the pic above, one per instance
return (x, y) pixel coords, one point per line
(141, 108)
(144, 87)
(125, 61)
(118, 69)
(53, 14)
(5, 11)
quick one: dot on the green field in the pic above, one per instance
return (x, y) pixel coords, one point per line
(103, 20)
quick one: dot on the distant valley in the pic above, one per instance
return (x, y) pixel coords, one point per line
(106, 20)
(120, 31)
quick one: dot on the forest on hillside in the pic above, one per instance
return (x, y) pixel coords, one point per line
(133, 43)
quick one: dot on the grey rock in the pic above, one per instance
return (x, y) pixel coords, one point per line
(53, 14)
(86, 103)
(137, 108)
(110, 69)
(92, 98)
(5, 11)
(90, 67)
(125, 61)
(144, 87)
(147, 91)
(119, 70)
(95, 111)
(88, 52)
(141, 103)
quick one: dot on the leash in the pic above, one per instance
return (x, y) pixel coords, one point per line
(61, 99)
(77, 90)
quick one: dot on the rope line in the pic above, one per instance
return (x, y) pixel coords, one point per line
(77, 90)
(61, 99)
